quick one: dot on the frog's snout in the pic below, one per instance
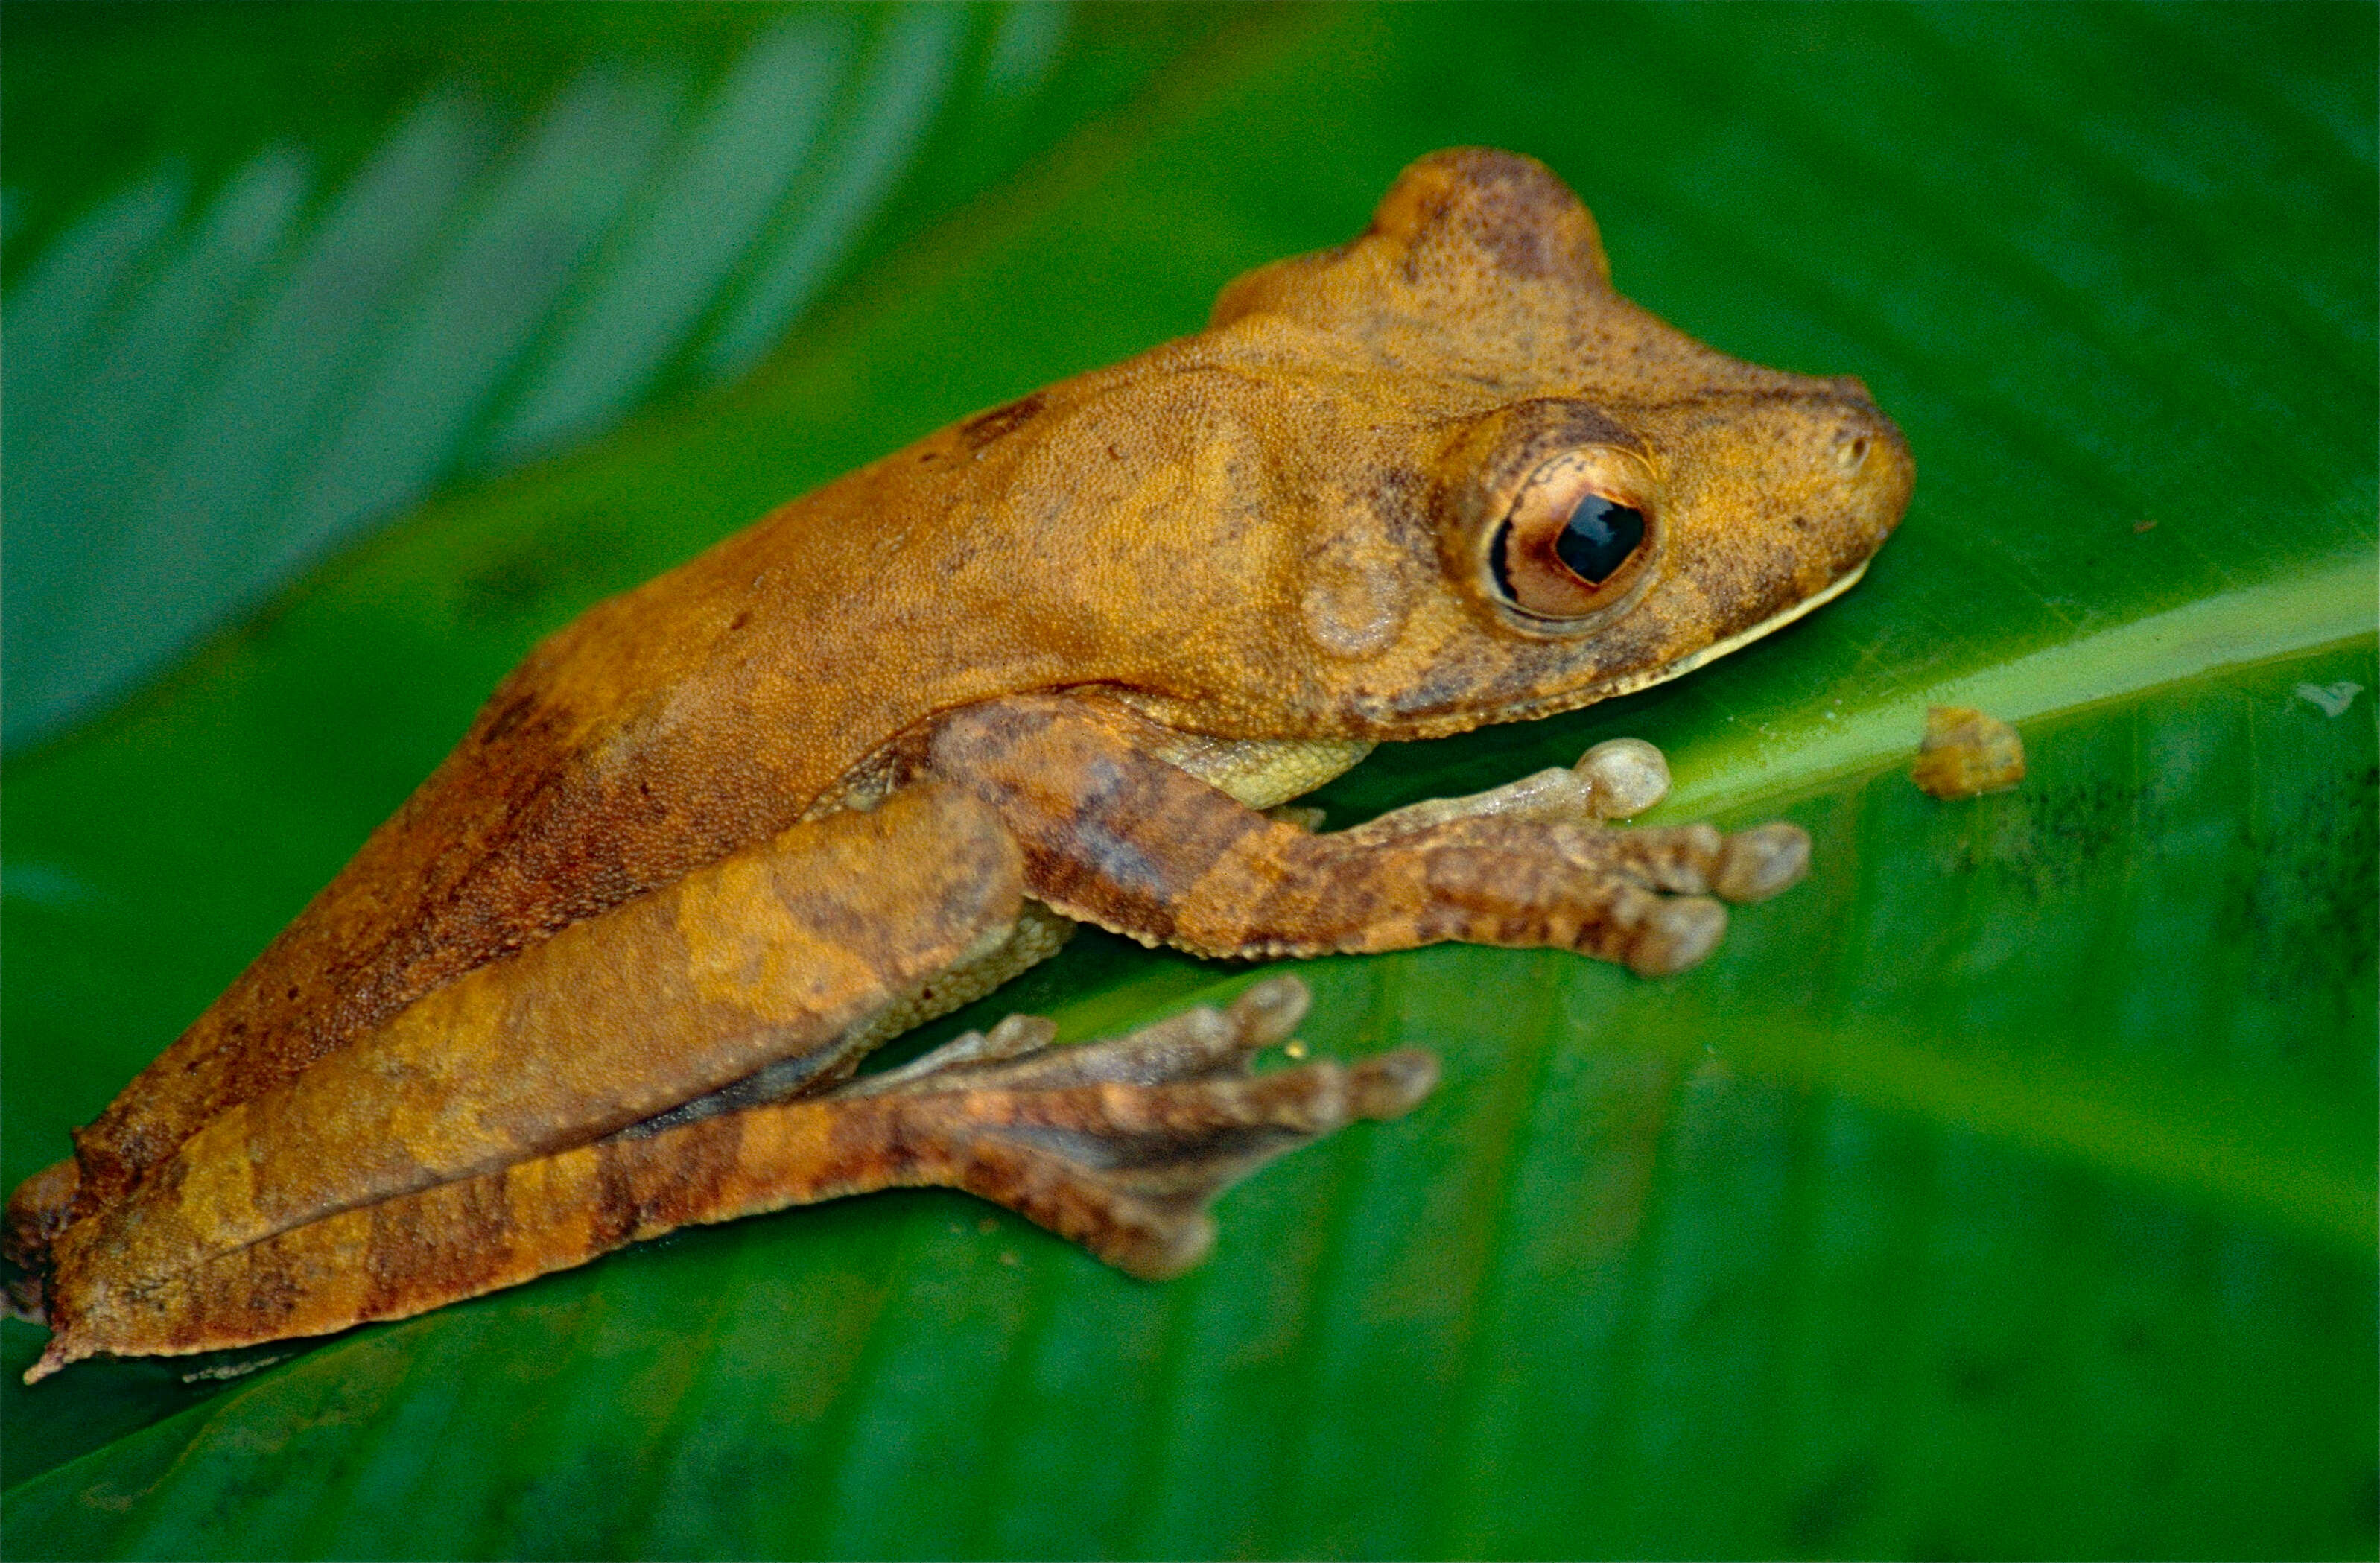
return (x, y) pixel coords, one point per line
(1873, 459)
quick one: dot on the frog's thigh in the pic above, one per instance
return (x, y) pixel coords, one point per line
(1118, 836)
(1036, 934)
(1120, 1146)
(788, 955)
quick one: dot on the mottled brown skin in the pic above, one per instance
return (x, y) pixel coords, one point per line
(1096, 631)
(1118, 1145)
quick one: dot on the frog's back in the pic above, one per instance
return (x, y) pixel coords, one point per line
(664, 729)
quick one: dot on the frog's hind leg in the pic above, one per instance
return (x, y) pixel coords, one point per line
(1120, 1146)
(783, 962)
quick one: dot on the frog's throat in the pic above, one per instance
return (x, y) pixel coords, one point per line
(1714, 651)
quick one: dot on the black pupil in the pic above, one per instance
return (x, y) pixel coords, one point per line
(1599, 538)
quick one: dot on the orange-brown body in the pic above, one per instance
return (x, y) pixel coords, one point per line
(1109, 621)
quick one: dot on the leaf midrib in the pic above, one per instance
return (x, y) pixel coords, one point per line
(2325, 605)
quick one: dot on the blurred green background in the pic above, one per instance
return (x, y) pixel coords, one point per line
(2007, 1190)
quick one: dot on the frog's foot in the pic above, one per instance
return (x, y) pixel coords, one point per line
(1120, 1146)
(1656, 905)
(1652, 897)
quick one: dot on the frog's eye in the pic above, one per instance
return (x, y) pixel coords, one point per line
(1572, 544)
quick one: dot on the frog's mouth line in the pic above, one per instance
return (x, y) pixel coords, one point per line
(1556, 704)
(1444, 725)
(1713, 652)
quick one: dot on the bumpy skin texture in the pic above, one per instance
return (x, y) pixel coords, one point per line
(1242, 556)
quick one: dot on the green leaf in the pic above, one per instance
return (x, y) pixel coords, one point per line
(2005, 1189)
(237, 348)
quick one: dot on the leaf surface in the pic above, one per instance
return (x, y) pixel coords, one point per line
(2005, 1189)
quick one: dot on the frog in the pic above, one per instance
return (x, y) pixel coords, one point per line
(612, 968)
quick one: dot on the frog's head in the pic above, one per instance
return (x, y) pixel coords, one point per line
(1608, 502)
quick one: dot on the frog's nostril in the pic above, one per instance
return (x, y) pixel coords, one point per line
(1850, 449)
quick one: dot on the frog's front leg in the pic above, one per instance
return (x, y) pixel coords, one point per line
(1617, 780)
(1115, 836)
